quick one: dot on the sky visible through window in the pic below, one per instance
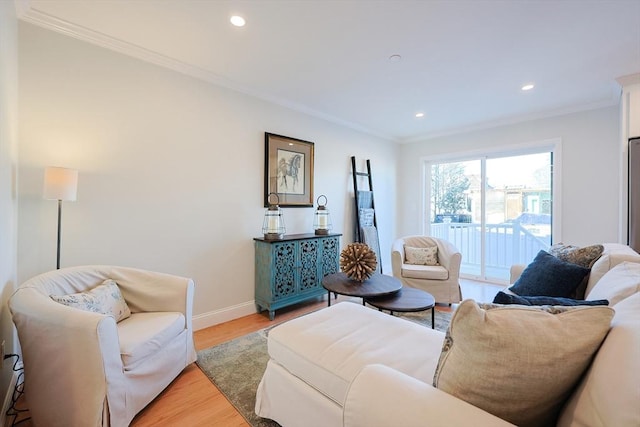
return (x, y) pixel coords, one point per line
(512, 171)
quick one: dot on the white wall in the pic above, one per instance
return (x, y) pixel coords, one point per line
(170, 169)
(8, 164)
(590, 170)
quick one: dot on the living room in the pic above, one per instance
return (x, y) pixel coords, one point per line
(171, 167)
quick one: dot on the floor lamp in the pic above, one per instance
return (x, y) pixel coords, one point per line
(60, 184)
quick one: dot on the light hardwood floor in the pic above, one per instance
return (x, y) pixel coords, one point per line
(192, 400)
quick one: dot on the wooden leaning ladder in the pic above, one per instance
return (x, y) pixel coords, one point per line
(366, 223)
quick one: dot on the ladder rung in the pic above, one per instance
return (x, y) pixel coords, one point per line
(362, 174)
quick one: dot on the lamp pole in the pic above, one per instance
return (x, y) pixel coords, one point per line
(60, 184)
(59, 230)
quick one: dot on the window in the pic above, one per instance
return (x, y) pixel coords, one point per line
(497, 209)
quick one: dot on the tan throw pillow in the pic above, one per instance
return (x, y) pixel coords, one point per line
(421, 256)
(104, 299)
(519, 363)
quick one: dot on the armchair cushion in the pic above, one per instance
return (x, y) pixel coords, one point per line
(144, 334)
(421, 256)
(549, 276)
(519, 363)
(105, 298)
(504, 298)
(431, 272)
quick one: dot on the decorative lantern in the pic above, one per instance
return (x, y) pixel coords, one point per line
(322, 219)
(273, 225)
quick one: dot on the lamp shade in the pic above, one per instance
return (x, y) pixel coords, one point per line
(60, 184)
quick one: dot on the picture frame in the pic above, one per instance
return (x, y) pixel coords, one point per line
(288, 170)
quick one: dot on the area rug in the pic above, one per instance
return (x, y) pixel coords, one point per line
(236, 366)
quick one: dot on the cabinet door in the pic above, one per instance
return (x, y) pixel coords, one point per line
(329, 262)
(309, 252)
(283, 269)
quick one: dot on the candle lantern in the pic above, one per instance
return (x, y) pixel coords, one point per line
(322, 219)
(273, 225)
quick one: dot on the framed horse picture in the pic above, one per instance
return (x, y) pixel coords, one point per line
(288, 170)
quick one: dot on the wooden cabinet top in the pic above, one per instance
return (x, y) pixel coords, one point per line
(289, 237)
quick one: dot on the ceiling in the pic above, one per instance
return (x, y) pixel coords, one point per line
(463, 62)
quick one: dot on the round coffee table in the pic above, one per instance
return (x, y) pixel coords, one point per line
(404, 301)
(376, 285)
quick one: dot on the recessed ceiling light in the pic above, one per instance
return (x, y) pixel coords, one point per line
(237, 20)
(395, 58)
(528, 86)
(419, 115)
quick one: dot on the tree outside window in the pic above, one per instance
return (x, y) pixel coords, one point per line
(449, 188)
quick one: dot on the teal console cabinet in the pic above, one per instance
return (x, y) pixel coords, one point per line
(291, 270)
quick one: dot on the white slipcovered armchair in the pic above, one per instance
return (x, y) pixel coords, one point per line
(84, 369)
(441, 281)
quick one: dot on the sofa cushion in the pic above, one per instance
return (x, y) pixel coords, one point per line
(421, 256)
(620, 282)
(519, 363)
(105, 298)
(328, 348)
(549, 276)
(506, 298)
(143, 334)
(431, 272)
(614, 254)
(608, 393)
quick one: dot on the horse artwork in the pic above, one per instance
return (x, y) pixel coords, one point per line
(290, 178)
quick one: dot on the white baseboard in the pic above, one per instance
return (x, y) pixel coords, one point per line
(8, 397)
(211, 318)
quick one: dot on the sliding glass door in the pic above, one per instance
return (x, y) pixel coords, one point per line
(496, 210)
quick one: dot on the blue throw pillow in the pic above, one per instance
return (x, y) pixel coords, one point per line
(549, 276)
(502, 298)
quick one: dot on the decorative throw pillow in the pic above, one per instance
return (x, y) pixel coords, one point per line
(503, 298)
(421, 256)
(549, 276)
(584, 257)
(519, 363)
(105, 299)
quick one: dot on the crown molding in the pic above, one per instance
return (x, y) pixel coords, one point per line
(629, 80)
(609, 102)
(27, 13)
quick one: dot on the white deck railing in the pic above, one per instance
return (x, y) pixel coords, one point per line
(506, 244)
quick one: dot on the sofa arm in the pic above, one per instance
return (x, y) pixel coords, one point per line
(397, 257)
(449, 257)
(380, 396)
(515, 271)
(147, 291)
(80, 347)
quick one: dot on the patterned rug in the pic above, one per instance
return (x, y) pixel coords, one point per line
(236, 366)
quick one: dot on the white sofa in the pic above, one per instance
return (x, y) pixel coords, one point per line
(348, 365)
(84, 369)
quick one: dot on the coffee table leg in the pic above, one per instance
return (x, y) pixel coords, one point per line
(433, 317)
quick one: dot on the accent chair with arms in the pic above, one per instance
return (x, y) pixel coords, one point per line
(82, 368)
(442, 280)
